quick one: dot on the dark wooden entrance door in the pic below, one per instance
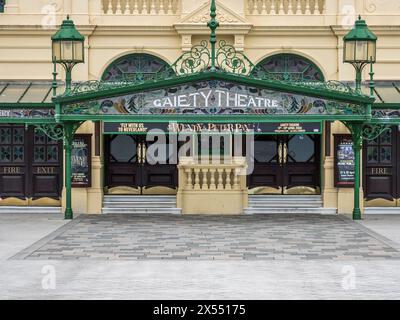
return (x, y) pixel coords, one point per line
(381, 169)
(132, 166)
(30, 165)
(286, 165)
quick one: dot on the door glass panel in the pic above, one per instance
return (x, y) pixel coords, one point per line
(386, 138)
(5, 135)
(18, 152)
(372, 155)
(39, 153)
(5, 154)
(265, 151)
(123, 149)
(301, 149)
(19, 136)
(386, 154)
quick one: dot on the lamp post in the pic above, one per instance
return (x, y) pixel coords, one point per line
(359, 50)
(68, 50)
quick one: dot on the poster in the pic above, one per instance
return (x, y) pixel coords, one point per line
(81, 161)
(344, 161)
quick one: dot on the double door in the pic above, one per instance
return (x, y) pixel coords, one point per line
(133, 167)
(286, 165)
(30, 165)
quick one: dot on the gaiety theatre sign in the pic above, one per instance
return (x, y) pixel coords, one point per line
(212, 97)
(215, 97)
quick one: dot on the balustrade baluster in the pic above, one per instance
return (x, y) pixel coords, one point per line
(281, 7)
(236, 179)
(212, 179)
(161, 8)
(196, 179)
(189, 181)
(169, 5)
(127, 7)
(290, 7)
(153, 7)
(308, 11)
(110, 7)
(220, 184)
(272, 10)
(144, 7)
(263, 6)
(119, 8)
(135, 9)
(228, 181)
(299, 7)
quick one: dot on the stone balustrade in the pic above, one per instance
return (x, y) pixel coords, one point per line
(286, 7)
(140, 7)
(221, 186)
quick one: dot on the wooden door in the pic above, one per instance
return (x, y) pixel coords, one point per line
(301, 168)
(381, 168)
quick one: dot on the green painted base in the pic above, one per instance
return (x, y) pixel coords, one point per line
(68, 215)
(357, 214)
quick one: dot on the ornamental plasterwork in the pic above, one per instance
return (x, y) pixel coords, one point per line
(202, 15)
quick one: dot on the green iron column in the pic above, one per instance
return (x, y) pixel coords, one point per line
(68, 137)
(357, 147)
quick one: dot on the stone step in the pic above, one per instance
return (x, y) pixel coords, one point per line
(141, 211)
(285, 205)
(139, 204)
(382, 210)
(139, 198)
(290, 211)
(29, 210)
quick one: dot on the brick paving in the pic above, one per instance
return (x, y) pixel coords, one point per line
(168, 237)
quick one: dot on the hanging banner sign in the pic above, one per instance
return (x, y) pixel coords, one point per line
(344, 161)
(81, 162)
(175, 127)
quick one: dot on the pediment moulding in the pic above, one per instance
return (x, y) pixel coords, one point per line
(195, 23)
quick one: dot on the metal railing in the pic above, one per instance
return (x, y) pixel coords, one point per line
(140, 7)
(286, 7)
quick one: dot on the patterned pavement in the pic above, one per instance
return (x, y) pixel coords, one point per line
(166, 237)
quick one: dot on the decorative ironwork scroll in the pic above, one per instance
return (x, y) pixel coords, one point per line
(27, 113)
(52, 131)
(372, 131)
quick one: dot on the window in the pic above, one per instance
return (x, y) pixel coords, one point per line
(136, 67)
(289, 67)
(2, 4)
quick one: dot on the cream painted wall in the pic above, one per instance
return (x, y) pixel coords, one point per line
(25, 47)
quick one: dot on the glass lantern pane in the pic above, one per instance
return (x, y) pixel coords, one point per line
(350, 51)
(78, 51)
(372, 50)
(66, 50)
(56, 51)
(361, 51)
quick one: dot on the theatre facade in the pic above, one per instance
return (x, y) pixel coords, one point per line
(221, 107)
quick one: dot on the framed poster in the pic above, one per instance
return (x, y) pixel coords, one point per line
(344, 161)
(81, 161)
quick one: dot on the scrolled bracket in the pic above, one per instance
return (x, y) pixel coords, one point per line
(53, 131)
(373, 131)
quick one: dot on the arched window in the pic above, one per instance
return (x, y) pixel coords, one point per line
(136, 66)
(289, 67)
